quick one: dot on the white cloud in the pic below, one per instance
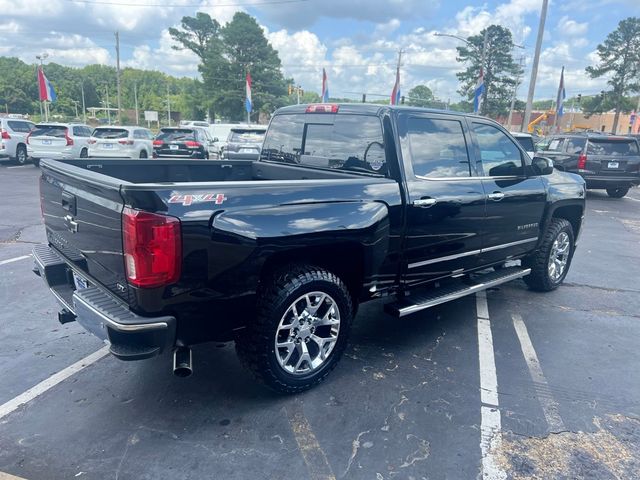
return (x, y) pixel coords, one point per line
(571, 28)
(176, 62)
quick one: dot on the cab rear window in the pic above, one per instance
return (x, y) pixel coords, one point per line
(526, 143)
(344, 142)
(614, 148)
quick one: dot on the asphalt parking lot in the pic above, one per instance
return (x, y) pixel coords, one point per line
(513, 384)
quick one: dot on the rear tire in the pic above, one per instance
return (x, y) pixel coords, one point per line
(617, 192)
(21, 155)
(300, 331)
(551, 261)
(143, 154)
(84, 153)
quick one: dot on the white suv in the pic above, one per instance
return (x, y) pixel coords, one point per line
(58, 141)
(13, 139)
(121, 142)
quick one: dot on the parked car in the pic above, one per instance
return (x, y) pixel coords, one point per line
(220, 133)
(58, 141)
(13, 139)
(347, 203)
(244, 143)
(185, 142)
(121, 142)
(526, 140)
(605, 161)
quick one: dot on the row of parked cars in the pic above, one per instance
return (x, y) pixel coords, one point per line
(24, 141)
(606, 162)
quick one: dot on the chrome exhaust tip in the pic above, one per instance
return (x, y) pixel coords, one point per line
(182, 362)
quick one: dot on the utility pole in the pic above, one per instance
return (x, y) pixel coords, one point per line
(135, 100)
(168, 106)
(84, 109)
(75, 104)
(536, 61)
(485, 94)
(515, 93)
(106, 87)
(118, 73)
(298, 94)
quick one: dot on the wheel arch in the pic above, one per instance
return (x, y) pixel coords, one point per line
(573, 213)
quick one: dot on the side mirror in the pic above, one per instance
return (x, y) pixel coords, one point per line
(542, 165)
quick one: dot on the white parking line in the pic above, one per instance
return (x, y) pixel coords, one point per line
(11, 260)
(50, 382)
(549, 405)
(490, 419)
(21, 166)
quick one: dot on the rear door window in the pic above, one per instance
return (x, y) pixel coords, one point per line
(437, 148)
(110, 133)
(574, 146)
(613, 148)
(176, 134)
(57, 131)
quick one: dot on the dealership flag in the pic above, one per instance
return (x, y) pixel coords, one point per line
(47, 93)
(325, 87)
(477, 96)
(248, 103)
(562, 94)
(395, 93)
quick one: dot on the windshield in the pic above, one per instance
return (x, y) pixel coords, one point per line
(526, 143)
(110, 133)
(57, 131)
(615, 148)
(176, 134)
(246, 136)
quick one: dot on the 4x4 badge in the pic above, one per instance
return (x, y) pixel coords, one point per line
(189, 199)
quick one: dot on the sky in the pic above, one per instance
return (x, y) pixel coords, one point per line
(355, 40)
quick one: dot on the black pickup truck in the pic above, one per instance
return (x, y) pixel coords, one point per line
(347, 203)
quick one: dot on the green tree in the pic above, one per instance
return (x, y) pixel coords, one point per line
(605, 102)
(620, 60)
(226, 54)
(499, 68)
(420, 96)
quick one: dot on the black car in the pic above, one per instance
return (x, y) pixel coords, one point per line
(185, 142)
(605, 161)
(244, 143)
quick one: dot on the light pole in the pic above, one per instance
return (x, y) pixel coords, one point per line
(534, 67)
(42, 57)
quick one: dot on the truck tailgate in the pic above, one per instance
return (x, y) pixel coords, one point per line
(83, 223)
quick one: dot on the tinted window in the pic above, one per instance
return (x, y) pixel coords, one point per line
(499, 154)
(110, 133)
(176, 134)
(348, 142)
(246, 136)
(58, 131)
(437, 148)
(20, 127)
(617, 148)
(574, 146)
(526, 143)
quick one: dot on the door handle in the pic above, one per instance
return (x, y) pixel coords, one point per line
(425, 202)
(496, 196)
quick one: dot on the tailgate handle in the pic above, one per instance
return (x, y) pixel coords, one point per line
(69, 202)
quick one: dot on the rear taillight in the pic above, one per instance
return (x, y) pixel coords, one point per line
(582, 161)
(91, 141)
(323, 108)
(192, 144)
(158, 143)
(152, 248)
(68, 138)
(125, 142)
(5, 134)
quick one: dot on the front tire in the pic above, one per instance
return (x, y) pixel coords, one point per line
(301, 329)
(550, 262)
(617, 192)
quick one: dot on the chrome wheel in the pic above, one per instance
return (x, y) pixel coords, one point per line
(307, 333)
(21, 155)
(559, 256)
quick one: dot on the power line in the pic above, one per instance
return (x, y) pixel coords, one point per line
(189, 5)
